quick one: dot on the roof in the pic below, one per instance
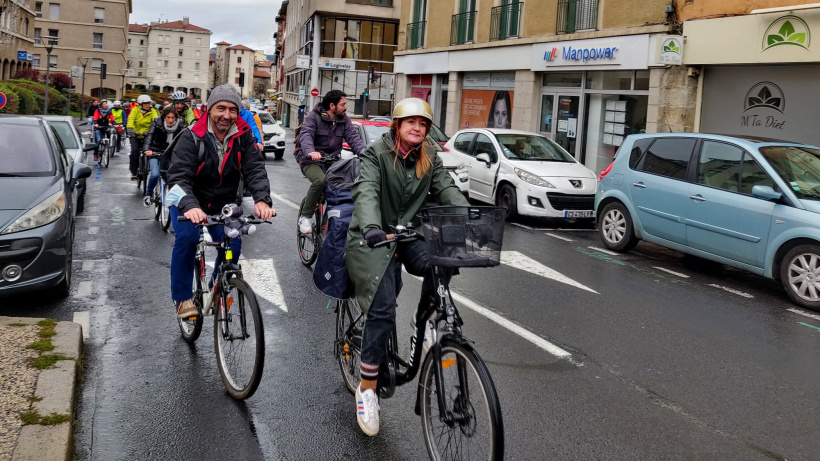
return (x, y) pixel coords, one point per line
(138, 28)
(239, 47)
(222, 43)
(264, 64)
(180, 26)
(261, 74)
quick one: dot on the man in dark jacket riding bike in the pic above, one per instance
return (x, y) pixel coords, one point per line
(209, 181)
(163, 130)
(324, 131)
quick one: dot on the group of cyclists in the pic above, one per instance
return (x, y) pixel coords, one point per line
(212, 155)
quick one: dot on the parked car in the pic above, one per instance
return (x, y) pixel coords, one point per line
(748, 203)
(525, 173)
(370, 131)
(38, 183)
(75, 147)
(273, 133)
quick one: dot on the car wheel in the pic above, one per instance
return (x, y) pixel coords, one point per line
(279, 154)
(800, 275)
(615, 228)
(507, 200)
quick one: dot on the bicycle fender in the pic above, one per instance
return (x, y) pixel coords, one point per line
(435, 353)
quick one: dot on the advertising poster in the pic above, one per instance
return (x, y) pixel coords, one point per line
(421, 93)
(486, 109)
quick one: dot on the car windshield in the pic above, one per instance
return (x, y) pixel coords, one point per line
(266, 118)
(531, 147)
(798, 166)
(66, 134)
(25, 151)
(373, 133)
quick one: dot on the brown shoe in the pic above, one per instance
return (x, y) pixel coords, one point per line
(186, 309)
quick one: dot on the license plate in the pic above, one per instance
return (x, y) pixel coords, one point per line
(579, 214)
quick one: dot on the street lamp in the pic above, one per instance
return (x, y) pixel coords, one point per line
(150, 79)
(83, 60)
(49, 45)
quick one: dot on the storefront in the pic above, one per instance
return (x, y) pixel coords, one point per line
(762, 80)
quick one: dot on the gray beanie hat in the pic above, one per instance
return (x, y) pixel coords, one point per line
(224, 92)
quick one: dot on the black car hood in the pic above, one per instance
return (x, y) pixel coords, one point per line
(19, 194)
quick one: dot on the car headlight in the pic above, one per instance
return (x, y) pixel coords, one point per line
(526, 176)
(46, 212)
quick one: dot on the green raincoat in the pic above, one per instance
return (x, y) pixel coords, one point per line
(386, 194)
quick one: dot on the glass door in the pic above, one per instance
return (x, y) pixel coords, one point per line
(560, 119)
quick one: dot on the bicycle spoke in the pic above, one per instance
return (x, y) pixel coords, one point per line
(239, 339)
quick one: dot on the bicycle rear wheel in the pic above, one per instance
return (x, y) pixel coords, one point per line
(307, 243)
(106, 155)
(349, 328)
(475, 429)
(165, 212)
(239, 339)
(155, 197)
(191, 329)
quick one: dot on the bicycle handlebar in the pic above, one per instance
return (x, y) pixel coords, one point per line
(220, 219)
(400, 234)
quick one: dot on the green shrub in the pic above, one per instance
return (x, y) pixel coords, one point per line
(57, 102)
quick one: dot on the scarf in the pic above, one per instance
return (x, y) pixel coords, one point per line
(169, 130)
(104, 112)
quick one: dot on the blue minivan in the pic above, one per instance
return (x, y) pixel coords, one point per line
(749, 203)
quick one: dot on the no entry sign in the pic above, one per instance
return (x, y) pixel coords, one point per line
(314, 92)
(2, 100)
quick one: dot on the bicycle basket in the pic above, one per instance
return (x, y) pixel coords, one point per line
(459, 236)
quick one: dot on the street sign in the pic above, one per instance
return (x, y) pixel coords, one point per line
(129, 72)
(30, 57)
(22, 55)
(314, 92)
(2, 100)
(303, 61)
(76, 72)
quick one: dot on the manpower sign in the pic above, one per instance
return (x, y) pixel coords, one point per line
(626, 52)
(753, 39)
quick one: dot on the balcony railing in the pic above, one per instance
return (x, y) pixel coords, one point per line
(415, 35)
(462, 28)
(576, 15)
(373, 2)
(505, 21)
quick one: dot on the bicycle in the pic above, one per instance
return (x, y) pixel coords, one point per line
(143, 171)
(309, 244)
(116, 138)
(104, 148)
(455, 388)
(162, 212)
(233, 304)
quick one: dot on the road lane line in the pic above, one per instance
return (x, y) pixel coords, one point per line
(84, 320)
(804, 313)
(84, 289)
(525, 263)
(810, 326)
(731, 290)
(287, 202)
(606, 252)
(559, 237)
(88, 265)
(91, 246)
(528, 227)
(577, 230)
(261, 276)
(671, 272)
(93, 230)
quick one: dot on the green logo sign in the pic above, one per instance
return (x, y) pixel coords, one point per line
(671, 46)
(788, 30)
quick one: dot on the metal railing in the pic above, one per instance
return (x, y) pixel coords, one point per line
(373, 2)
(462, 28)
(415, 35)
(505, 21)
(576, 15)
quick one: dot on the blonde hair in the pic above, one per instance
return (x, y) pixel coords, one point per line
(424, 162)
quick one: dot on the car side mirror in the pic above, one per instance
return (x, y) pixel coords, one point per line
(88, 147)
(80, 171)
(766, 192)
(484, 157)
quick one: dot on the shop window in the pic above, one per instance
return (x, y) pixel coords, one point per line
(642, 80)
(609, 80)
(668, 157)
(609, 119)
(563, 79)
(547, 102)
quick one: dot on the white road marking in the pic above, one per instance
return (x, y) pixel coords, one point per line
(731, 290)
(93, 230)
(269, 311)
(559, 237)
(601, 250)
(678, 274)
(88, 265)
(525, 263)
(84, 289)
(577, 230)
(89, 218)
(525, 227)
(804, 313)
(287, 202)
(261, 276)
(91, 246)
(85, 323)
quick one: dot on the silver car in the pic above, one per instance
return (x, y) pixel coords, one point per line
(73, 143)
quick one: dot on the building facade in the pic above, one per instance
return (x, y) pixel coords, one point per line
(330, 44)
(16, 36)
(234, 65)
(760, 81)
(87, 33)
(170, 56)
(585, 73)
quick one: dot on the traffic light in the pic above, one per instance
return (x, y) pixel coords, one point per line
(371, 77)
(366, 93)
(103, 68)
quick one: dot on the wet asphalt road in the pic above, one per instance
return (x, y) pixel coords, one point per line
(665, 362)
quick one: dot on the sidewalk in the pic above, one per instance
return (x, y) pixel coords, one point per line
(41, 401)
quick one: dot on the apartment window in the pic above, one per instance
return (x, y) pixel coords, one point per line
(159, 74)
(179, 76)
(239, 59)
(52, 61)
(130, 53)
(98, 40)
(129, 41)
(577, 15)
(238, 70)
(236, 80)
(99, 15)
(165, 75)
(168, 39)
(179, 64)
(142, 53)
(164, 63)
(159, 62)
(196, 66)
(197, 54)
(196, 77)
(96, 64)
(53, 11)
(26, 31)
(38, 9)
(141, 64)
(199, 42)
(53, 33)
(36, 60)
(142, 41)
(159, 51)
(139, 74)
(180, 53)
(166, 52)
(181, 40)
(38, 37)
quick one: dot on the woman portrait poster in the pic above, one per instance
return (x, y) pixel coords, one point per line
(486, 109)
(500, 110)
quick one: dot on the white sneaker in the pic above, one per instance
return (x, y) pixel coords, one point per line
(430, 334)
(304, 225)
(367, 411)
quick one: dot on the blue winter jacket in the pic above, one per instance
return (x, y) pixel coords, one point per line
(248, 117)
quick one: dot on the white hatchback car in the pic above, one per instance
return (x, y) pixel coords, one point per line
(273, 133)
(523, 172)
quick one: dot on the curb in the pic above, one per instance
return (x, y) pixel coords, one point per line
(56, 387)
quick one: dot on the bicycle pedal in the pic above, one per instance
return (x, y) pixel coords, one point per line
(146, 201)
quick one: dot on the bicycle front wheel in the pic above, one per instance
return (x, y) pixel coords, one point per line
(106, 155)
(469, 426)
(239, 339)
(307, 243)
(349, 328)
(165, 212)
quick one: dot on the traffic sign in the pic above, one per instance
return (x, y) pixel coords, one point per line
(22, 55)
(314, 92)
(2, 100)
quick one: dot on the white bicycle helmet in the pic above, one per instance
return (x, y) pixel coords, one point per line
(117, 104)
(178, 97)
(143, 98)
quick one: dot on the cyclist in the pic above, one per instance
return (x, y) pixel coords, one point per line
(139, 121)
(396, 174)
(163, 130)
(247, 106)
(120, 118)
(103, 118)
(89, 113)
(210, 183)
(247, 116)
(324, 130)
(181, 106)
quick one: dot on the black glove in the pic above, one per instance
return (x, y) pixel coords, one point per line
(374, 236)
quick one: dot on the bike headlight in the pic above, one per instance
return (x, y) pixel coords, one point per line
(526, 176)
(46, 212)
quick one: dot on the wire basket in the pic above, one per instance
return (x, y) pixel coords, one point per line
(459, 236)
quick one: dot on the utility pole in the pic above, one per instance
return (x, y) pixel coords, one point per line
(103, 67)
(83, 60)
(50, 42)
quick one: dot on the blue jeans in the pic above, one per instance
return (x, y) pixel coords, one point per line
(184, 253)
(153, 163)
(97, 138)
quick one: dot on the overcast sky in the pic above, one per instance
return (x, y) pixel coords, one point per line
(246, 22)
